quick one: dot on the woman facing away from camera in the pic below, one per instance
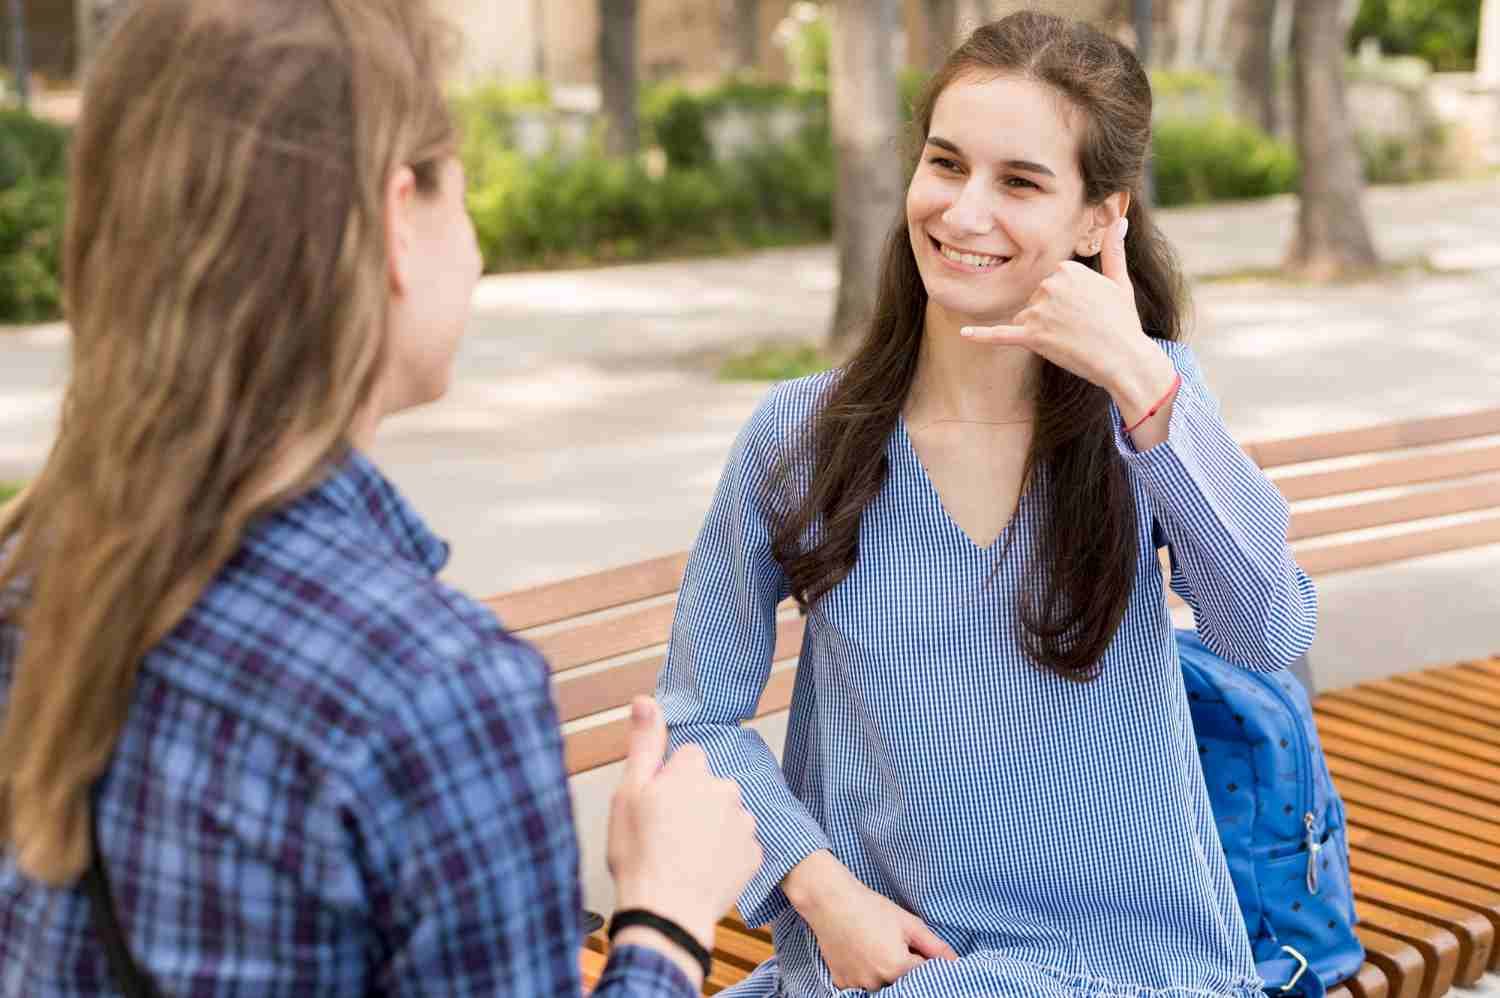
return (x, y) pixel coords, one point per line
(312, 768)
(990, 783)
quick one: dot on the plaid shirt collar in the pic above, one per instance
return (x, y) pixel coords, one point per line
(357, 488)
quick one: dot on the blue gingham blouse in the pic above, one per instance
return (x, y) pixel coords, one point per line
(1057, 835)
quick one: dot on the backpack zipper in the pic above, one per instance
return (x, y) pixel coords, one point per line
(1304, 783)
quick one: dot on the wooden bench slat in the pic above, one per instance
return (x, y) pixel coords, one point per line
(1398, 960)
(1477, 678)
(1471, 931)
(1375, 756)
(1481, 901)
(1440, 817)
(1489, 667)
(1368, 982)
(606, 743)
(1389, 472)
(734, 923)
(1439, 759)
(580, 696)
(1323, 559)
(1449, 501)
(1408, 710)
(598, 640)
(1417, 790)
(1423, 833)
(742, 948)
(1404, 730)
(1469, 692)
(1427, 698)
(568, 598)
(1370, 841)
(1439, 948)
(1368, 439)
(591, 963)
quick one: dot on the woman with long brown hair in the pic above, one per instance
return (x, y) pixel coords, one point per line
(250, 744)
(990, 784)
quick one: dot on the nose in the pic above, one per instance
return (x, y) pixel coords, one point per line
(971, 212)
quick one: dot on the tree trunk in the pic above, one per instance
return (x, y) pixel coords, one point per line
(1140, 20)
(942, 30)
(1250, 55)
(92, 20)
(617, 75)
(1488, 68)
(865, 105)
(1332, 236)
(740, 30)
(1187, 29)
(20, 60)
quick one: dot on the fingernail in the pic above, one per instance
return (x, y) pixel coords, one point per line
(1124, 225)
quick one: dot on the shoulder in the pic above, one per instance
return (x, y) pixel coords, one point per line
(350, 629)
(786, 410)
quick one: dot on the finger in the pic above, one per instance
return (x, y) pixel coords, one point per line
(1003, 335)
(648, 741)
(1112, 257)
(926, 942)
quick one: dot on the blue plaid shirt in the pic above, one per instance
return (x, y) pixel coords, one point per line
(338, 777)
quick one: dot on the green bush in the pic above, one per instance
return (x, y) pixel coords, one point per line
(8, 491)
(1219, 158)
(33, 197)
(30, 148)
(31, 232)
(559, 210)
(1393, 160)
(1444, 32)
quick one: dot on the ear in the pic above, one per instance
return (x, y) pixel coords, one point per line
(1100, 217)
(400, 195)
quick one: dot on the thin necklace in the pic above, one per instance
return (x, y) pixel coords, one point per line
(975, 422)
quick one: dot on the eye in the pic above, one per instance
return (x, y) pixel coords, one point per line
(1020, 183)
(944, 163)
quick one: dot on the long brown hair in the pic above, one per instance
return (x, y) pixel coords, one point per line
(1088, 548)
(227, 290)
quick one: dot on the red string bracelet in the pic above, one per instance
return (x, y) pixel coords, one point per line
(1176, 384)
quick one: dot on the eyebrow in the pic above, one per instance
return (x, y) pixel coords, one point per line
(1024, 165)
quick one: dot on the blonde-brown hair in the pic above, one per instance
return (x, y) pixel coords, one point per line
(227, 289)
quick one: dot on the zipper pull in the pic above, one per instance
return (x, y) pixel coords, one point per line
(1313, 848)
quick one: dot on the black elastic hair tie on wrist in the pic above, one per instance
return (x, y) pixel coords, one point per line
(676, 933)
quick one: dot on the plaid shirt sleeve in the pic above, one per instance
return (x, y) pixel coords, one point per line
(464, 811)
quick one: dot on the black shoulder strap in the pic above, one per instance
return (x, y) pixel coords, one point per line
(133, 981)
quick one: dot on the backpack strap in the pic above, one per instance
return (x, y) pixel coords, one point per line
(1287, 975)
(131, 979)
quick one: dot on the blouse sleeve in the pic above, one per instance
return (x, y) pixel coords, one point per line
(720, 653)
(1226, 526)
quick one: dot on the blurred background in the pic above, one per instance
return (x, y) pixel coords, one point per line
(680, 201)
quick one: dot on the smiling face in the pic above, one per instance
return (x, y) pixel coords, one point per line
(997, 200)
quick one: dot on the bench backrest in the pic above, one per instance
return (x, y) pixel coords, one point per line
(1359, 498)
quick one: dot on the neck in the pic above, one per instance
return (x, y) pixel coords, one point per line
(961, 380)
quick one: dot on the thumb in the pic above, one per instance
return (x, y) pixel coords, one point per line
(648, 741)
(1112, 257)
(926, 942)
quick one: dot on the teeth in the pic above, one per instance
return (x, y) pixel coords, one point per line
(972, 259)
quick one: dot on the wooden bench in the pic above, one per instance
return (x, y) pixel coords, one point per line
(1416, 757)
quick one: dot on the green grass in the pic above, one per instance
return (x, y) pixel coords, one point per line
(1417, 266)
(776, 362)
(8, 489)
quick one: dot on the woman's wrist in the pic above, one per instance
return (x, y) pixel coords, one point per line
(806, 884)
(640, 935)
(1141, 383)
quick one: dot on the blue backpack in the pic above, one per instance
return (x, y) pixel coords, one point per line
(1279, 818)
